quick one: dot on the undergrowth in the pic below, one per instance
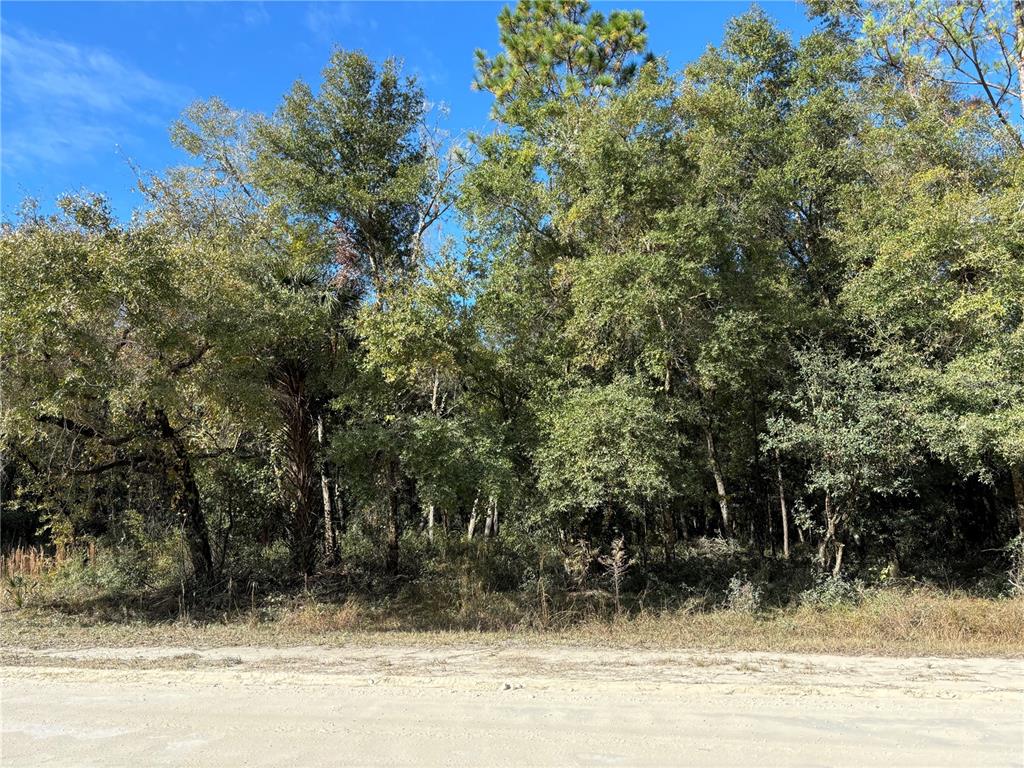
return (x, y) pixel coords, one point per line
(711, 596)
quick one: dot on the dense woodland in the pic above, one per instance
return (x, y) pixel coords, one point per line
(775, 299)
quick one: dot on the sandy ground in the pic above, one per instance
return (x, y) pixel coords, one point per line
(504, 706)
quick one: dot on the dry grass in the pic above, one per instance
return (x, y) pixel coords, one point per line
(316, 618)
(921, 622)
(37, 612)
(24, 561)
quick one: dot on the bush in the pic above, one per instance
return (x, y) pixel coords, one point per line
(267, 567)
(743, 595)
(832, 592)
(19, 588)
(110, 574)
(1015, 576)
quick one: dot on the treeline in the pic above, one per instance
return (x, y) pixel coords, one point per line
(777, 298)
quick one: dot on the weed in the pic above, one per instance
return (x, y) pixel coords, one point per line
(832, 592)
(19, 588)
(743, 595)
(1015, 550)
(616, 564)
(577, 562)
(890, 621)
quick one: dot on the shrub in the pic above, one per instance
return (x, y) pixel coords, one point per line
(19, 588)
(831, 592)
(743, 595)
(1015, 577)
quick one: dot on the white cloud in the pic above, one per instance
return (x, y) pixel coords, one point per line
(327, 20)
(255, 15)
(62, 101)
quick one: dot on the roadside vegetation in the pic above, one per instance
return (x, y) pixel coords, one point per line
(766, 605)
(726, 357)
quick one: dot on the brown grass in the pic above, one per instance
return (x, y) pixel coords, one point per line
(24, 561)
(37, 612)
(920, 622)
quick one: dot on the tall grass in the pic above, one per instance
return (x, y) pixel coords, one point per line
(472, 599)
(24, 561)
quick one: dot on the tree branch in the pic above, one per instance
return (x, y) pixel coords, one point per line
(190, 361)
(70, 425)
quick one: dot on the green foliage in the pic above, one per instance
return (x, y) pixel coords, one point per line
(744, 596)
(350, 157)
(782, 287)
(558, 52)
(941, 287)
(19, 589)
(851, 432)
(832, 592)
(603, 449)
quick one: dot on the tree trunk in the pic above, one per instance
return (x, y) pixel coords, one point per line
(300, 475)
(393, 533)
(1018, 20)
(339, 509)
(473, 518)
(669, 532)
(782, 507)
(1017, 476)
(716, 470)
(829, 548)
(491, 525)
(185, 501)
(325, 492)
(430, 522)
(433, 393)
(839, 560)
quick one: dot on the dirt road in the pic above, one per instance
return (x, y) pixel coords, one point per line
(504, 706)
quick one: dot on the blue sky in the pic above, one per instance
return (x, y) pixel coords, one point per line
(88, 88)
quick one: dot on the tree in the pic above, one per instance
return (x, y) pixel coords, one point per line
(351, 161)
(785, 278)
(558, 53)
(938, 277)
(122, 349)
(971, 46)
(346, 186)
(854, 437)
(605, 455)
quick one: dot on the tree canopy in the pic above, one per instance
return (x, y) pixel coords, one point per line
(778, 292)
